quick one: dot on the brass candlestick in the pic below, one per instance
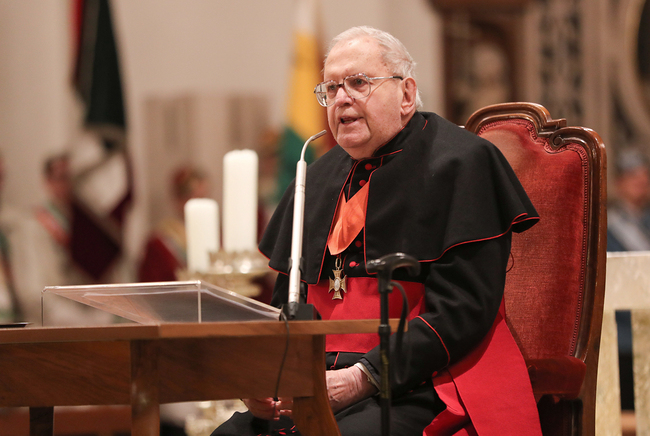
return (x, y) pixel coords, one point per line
(234, 271)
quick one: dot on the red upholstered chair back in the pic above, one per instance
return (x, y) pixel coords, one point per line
(555, 284)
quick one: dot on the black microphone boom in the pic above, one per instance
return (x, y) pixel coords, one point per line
(390, 262)
(384, 267)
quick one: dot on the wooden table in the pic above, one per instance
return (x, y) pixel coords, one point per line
(146, 365)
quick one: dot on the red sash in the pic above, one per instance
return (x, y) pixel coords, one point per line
(361, 301)
(55, 224)
(488, 392)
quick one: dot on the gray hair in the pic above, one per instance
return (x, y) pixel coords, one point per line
(394, 53)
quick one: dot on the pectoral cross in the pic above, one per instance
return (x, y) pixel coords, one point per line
(338, 283)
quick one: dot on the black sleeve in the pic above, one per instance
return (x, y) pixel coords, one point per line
(463, 292)
(280, 294)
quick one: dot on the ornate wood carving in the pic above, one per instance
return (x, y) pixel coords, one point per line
(483, 47)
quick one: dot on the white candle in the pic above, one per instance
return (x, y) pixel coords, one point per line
(202, 232)
(240, 174)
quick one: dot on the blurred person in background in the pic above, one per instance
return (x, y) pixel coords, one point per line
(165, 250)
(9, 305)
(42, 253)
(628, 217)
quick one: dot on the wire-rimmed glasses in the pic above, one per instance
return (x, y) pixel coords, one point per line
(356, 86)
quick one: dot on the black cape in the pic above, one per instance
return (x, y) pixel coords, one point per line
(446, 187)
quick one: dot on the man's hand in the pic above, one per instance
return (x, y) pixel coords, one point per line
(347, 386)
(268, 408)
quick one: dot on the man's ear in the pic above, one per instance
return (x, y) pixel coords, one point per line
(410, 89)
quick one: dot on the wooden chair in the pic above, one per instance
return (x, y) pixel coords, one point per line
(555, 285)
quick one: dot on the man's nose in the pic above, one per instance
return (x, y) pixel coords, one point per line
(342, 95)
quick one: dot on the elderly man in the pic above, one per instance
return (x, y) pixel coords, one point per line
(406, 181)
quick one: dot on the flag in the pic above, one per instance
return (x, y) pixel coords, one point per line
(305, 117)
(102, 178)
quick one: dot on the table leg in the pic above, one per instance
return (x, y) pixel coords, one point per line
(145, 410)
(41, 421)
(313, 415)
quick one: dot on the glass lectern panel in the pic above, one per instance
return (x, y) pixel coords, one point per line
(158, 302)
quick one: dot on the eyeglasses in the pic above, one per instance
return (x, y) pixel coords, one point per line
(356, 86)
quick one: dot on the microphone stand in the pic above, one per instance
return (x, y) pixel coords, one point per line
(384, 268)
(293, 309)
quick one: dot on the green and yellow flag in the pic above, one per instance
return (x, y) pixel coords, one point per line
(305, 117)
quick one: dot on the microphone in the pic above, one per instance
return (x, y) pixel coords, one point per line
(295, 262)
(390, 262)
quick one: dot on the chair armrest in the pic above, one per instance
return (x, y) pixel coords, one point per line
(558, 376)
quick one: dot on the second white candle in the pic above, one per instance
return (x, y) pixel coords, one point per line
(240, 174)
(202, 232)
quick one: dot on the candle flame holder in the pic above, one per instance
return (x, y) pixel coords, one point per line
(234, 271)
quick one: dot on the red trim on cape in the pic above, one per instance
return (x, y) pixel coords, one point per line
(516, 220)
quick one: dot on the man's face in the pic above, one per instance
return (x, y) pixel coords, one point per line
(634, 186)
(361, 126)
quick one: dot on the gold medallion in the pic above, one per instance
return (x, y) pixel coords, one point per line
(337, 284)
